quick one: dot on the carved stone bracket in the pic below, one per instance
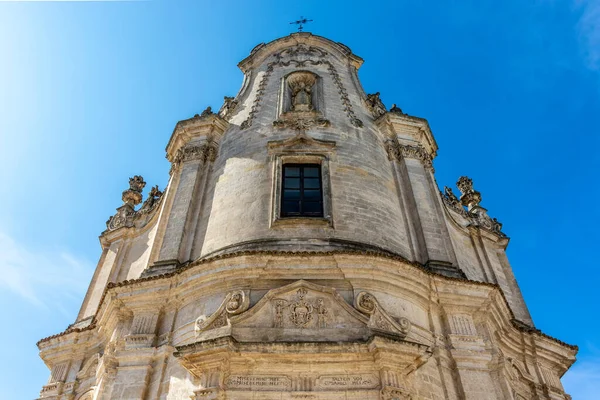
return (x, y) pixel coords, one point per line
(126, 215)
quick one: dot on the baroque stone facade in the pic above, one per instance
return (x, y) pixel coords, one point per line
(390, 289)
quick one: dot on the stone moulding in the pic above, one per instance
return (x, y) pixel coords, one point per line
(516, 324)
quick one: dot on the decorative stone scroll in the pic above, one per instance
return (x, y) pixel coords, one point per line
(229, 106)
(234, 303)
(367, 303)
(375, 105)
(126, 215)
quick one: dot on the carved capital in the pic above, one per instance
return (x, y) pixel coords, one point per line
(397, 151)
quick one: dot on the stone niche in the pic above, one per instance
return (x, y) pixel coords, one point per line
(297, 343)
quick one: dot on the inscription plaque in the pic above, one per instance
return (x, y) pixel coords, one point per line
(259, 382)
(348, 381)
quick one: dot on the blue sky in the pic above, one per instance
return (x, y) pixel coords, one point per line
(90, 92)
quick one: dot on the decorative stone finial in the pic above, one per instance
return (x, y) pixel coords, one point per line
(133, 195)
(206, 112)
(470, 197)
(396, 110)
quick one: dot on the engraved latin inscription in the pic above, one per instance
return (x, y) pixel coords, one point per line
(347, 382)
(259, 382)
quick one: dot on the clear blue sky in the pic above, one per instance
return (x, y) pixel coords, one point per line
(90, 93)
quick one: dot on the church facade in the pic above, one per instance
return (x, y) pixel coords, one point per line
(303, 250)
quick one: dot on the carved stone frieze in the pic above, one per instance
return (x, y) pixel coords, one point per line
(301, 124)
(126, 215)
(375, 105)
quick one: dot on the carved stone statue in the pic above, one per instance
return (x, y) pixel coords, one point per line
(229, 105)
(301, 87)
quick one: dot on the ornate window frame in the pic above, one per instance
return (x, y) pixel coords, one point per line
(301, 149)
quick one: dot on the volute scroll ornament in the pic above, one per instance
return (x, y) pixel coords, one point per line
(367, 303)
(235, 302)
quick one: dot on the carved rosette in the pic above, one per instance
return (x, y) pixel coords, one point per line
(398, 152)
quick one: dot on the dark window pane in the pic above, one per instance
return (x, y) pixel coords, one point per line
(292, 171)
(311, 172)
(292, 183)
(291, 207)
(291, 195)
(312, 195)
(313, 208)
(312, 183)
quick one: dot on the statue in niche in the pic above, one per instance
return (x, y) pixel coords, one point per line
(301, 87)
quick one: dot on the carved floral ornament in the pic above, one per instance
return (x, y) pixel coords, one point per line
(205, 152)
(398, 152)
(127, 215)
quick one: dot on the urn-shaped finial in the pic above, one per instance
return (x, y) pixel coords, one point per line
(133, 195)
(470, 197)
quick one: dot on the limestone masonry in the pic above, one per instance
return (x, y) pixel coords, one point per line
(302, 250)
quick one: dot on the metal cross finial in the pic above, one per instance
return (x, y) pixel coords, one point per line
(300, 23)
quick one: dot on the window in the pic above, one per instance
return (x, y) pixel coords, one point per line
(301, 191)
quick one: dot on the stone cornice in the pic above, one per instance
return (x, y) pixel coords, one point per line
(263, 51)
(211, 126)
(440, 278)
